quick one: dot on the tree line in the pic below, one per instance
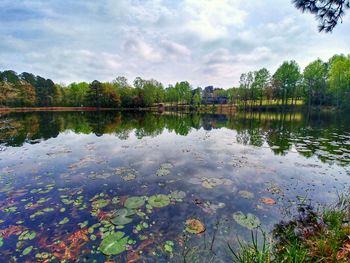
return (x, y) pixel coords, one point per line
(319, 84)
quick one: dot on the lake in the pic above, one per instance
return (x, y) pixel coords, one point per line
(144, 187)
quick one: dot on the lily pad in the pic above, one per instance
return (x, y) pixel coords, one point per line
(27, 250)
(100, 203)
(134, 202)
(178, 195)
(159, 200)
(249, 220)
(194, 226)
(129, 177)
(64, 221)
(246, 194)
(27, 235)
(211, 182)
(122, 217)
(114, 244)
(169, 246)
(164, 169)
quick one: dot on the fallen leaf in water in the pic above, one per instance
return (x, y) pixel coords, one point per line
(194, 226)
(268, 201)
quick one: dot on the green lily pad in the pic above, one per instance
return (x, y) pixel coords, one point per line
(115, 200)
(178, 195)
(134, 202)
(211, 182)
(64, 221)
(159, 200)
(122, 217)
(169, 246)
(249, 220)
(129, 177)
(114, 244)
(27, 250)
(100, 203)
(164, 169)
(26, 235)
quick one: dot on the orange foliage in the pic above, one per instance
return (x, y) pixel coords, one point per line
(68, 249)
(268, 201)
(11, 230)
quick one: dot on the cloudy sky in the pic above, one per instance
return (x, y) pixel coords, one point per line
(207, 42)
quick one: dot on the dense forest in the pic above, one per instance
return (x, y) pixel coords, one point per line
(320, 84)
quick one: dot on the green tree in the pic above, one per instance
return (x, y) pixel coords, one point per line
(315, 82)
(287, 78)
(94, 94)
(261, 82)
(197, 98)
(339, 79)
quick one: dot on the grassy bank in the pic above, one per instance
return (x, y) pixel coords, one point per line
(312, 236)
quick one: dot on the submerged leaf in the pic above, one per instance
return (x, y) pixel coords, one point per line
(249, 220)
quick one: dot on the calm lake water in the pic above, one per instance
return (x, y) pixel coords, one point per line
(73, 183)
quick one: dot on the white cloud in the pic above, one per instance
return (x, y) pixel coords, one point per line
(136, 47)
(211, 19)
(207, 42)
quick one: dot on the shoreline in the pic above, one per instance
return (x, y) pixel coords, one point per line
(223, 109)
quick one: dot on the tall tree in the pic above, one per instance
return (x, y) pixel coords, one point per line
(314, 82)
(287, 78)
(339, 79)
(261, 81)
(94, 94)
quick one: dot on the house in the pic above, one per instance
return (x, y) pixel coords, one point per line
(212, 96)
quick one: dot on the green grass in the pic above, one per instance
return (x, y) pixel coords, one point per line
(312, 236)
(266, 103)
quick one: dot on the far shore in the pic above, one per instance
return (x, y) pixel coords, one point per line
(218, 109)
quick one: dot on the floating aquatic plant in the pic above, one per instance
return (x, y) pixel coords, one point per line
(27, 250)
(164, 169)
(134, 202)
(159, 201)
(169, 246)
(249, 220)
(114, 243)
(27, 235)
(194, 226)
(100, 203)
(246, 194)
(122, 216)
(177, 195)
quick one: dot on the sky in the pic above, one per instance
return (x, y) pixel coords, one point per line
(205, 42)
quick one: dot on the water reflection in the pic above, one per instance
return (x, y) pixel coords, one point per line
(326, 136)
